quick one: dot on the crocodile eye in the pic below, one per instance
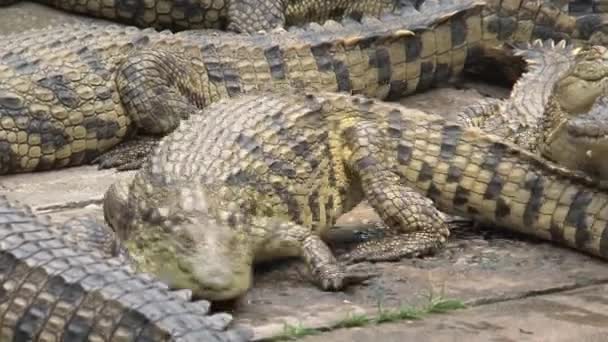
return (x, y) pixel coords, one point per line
(576, 95)
(591, 71)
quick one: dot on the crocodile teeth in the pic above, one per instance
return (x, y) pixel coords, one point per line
(352, 40)
(185, 294)
(403, 33)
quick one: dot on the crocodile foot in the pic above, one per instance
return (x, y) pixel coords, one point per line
(379, 230)
(395, 247)
(335, 277)
(129, 155)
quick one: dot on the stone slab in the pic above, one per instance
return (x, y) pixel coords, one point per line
(577, 315)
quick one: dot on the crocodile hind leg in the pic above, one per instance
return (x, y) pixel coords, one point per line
(379, 229)
(478, 113)
(157, 90)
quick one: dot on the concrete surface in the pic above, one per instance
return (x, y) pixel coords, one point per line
(578, 315)
(518, 289)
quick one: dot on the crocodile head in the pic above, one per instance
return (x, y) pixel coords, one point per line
(188, 249)
(575, 127)
(202, 257)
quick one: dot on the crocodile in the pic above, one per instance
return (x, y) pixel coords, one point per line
(53, 290)
(263, 176)
(246, 16)
(563, 120)
(519, 117)
(573, 130)
(69, 94)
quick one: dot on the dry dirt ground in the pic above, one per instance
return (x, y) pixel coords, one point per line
(517, 289)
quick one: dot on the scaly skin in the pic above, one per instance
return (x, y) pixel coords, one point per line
(54, 291)
(263, 177)
(564, 118)
(236, 15)
(574, 129)
(519, 117)
(69, 94)
(270, 14)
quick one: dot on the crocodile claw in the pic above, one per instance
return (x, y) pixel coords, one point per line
(358, 273)
(336, 277)
(330, 277)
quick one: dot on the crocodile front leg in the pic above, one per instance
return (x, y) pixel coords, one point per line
(478, 113)
(419, 228)
(326, 271)
(158, 89)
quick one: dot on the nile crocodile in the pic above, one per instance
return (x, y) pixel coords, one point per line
(263, 176)
(68, 94)
(236, 15)
(54, 291)
(574, 127)
(564, 118)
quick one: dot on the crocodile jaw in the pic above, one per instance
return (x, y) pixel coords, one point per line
(579, 141)
(575, 128)
(210, 267)
(584, 153)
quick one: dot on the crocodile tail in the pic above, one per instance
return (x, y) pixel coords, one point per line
(547, 62)
(481, 176)
(388, 57)
(527, 20)
(543, 52)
